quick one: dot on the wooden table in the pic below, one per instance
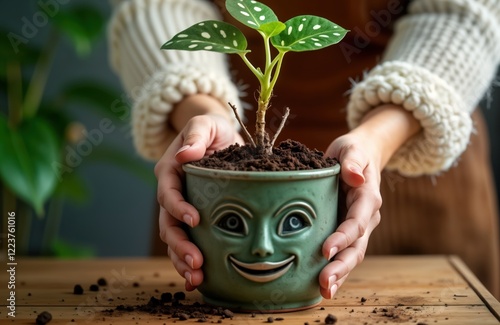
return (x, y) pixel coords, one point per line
(382, 290)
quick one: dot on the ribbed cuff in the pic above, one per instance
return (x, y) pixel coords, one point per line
(150, 129)
(445, 122)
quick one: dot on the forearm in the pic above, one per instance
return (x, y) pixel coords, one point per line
(385, 129)
(437, 66)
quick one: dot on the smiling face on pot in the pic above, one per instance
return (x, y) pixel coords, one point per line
(263, 238)
(262, 244)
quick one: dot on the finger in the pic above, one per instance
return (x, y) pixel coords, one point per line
(193, 277)
(169, 193)
(175, 237)
(345, 261)
(362, 203)
(329, 293)
(169, 196)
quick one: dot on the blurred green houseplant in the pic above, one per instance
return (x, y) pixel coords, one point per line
(36, 131)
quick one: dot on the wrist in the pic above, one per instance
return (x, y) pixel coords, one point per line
(385, 129)
(193, 105)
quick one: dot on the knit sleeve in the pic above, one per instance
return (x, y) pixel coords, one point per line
(158, 79)
(438, 65)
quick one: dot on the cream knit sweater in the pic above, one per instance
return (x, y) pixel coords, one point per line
(440, 62)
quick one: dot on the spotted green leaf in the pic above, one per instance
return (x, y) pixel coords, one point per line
(308, 33)
(210, 35)
(273, 28)
(251, 13)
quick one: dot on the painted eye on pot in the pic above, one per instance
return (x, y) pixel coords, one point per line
(293, 223)
(232, 223)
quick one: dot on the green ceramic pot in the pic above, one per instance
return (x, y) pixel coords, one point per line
(261, 235)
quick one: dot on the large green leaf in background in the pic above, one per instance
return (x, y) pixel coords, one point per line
(27, 154)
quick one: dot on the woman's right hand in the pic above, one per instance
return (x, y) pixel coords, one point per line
(201, 136)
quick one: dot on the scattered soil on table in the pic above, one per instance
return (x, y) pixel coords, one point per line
(330, 319)
(78, 289)
(43, 318)
(170, 304)
(397, 314)
(288, 155)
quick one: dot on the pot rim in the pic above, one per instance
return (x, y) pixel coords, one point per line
(263, 175)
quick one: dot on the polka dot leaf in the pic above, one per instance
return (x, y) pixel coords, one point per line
(308, 33)
(298, 34)
(273, 28)
(210, 35)
(251, 13)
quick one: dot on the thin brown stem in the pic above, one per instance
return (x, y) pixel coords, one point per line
(262, 137)
(245, 131)
(282, 124)
(38, 80)
(15, 93)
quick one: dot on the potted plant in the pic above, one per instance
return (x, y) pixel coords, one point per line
(265, 210)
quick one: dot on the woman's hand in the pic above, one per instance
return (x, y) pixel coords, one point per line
(360, 182)
(201, 136)
(362, 153)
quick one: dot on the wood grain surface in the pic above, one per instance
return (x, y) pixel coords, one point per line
(382, 290)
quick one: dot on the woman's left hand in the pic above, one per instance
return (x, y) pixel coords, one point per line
(360, 182)
(363, 154)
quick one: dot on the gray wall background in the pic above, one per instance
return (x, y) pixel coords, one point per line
(118, 219)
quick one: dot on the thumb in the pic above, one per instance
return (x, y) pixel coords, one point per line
(352, 168)
(352, 174)
(196, 137)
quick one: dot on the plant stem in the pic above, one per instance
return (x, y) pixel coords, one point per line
(15, 93)
(244, 128)
(262, 138)
(278, 61)
(282, 124)
(52, 225)
(40, 74)
(249, 64)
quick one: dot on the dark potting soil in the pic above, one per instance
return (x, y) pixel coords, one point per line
(288, 155)
(43, 318)
(175, 308)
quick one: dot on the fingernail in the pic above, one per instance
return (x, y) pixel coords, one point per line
(189, 261)
(188, 277)
(333, 290)
(356, 170)
(333, 251)
(188, 219)
(183, 148)
(331, 281)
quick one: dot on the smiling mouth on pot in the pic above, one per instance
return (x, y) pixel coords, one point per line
(262, 272)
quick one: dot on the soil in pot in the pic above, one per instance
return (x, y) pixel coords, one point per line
(288, 155)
